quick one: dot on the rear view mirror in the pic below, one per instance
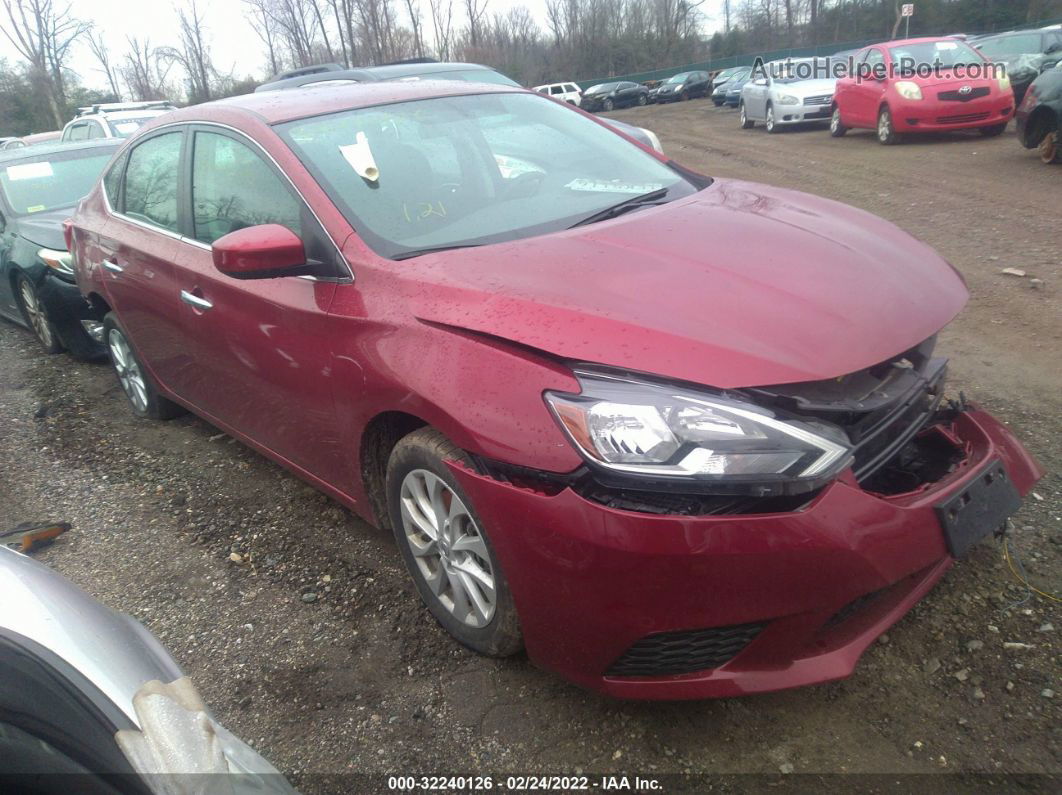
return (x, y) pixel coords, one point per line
(260, 252)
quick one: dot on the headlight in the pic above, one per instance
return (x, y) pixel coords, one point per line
(57, 260)
(788, 99)
(625, 425)
(1004, 83)
(908, 90)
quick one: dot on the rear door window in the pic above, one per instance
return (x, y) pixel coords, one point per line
(151, 181)
(233, 188)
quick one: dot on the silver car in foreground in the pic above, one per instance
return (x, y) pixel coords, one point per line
(786, 96)
(90, 701)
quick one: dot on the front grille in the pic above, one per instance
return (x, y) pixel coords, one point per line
(963, 118)
(670, 653)
(822, 99)
(955, 96)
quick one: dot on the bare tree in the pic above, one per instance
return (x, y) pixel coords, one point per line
(413, 9)
(265, 27)
(43, 33)
(192, 55)
(475, 11)
(102, 54)
(145, 70)
(442, 22)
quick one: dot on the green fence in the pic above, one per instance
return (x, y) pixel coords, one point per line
(748, 59)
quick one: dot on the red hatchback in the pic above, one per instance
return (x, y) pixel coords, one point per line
(922, 85)
(677, 437)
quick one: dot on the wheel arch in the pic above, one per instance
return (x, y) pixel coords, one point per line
(378, 439)
(1041, 121)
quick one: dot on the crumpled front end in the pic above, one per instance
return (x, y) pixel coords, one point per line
(675, 596)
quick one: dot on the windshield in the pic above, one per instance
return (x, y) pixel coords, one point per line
(123, 128)
(682, 78)
(482, 168)
(945, 53)
(48, 183)
(601, 88)
(1011, 45)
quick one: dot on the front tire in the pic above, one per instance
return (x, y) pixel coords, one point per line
(769, 123)
(36, 315)
(836, 128)
(746, 122)
(642, 100)
(992, 131)
(445, 547)
(608, 104)
(887, 135)
(137, 385)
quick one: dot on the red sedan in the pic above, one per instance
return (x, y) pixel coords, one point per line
(922, 85)
(677, 437)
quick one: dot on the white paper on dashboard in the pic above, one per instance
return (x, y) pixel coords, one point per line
(359, 155)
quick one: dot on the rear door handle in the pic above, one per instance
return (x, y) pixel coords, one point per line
(112, 266)
(195, 301)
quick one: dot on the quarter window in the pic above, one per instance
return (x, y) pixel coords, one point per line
(233, 188)
(151, 181)
(112, 181)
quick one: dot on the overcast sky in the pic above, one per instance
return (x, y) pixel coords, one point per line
(234, 45)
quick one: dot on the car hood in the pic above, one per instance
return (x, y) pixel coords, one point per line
(738, 285)
(46, 228)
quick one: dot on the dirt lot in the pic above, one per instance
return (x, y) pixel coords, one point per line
(318, 653)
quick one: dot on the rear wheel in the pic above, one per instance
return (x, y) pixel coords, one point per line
(769, 121)
(1050, 148)
(746, 122)
(446, 548)
(887, 134)
(138, 386)
(836, 128)
(642, 99)
(992, 131)
(36, 315)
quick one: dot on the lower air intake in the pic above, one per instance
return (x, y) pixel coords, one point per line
(668, 653)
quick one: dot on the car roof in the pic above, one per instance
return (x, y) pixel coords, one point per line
(275, 107)
(44, 150)
(1009, 33)
(919, 40)
(334, 72)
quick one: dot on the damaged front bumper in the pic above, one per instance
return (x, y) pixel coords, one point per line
(666, 606)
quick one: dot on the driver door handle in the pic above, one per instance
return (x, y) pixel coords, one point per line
(112, 266)
(195, 301)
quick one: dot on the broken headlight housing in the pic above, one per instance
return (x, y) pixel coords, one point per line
(696, 439)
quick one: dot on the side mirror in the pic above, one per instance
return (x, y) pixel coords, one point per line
(267, 251)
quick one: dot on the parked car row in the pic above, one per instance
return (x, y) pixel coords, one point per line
(881, 92)
(456, 309)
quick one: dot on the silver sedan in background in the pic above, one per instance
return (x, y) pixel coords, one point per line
(793, 91)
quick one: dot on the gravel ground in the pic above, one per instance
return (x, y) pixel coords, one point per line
(298, 624)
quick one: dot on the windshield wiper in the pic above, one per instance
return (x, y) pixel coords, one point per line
(416, 252)
(646, 199)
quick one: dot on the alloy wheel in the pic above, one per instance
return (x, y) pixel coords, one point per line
(129, 374)
(835, 121)
(885, 134)
(36, 314)
(1048, 148)
(769, 121)
(447, 547)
